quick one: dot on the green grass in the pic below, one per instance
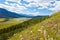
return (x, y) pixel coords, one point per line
(49, 29)
(7, 23)
(33, 29)
(11, 22)
(8, 32)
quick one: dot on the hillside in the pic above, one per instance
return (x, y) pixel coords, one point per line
(49, 29)
(9, 31)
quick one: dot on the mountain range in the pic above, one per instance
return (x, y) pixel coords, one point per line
(7, 14)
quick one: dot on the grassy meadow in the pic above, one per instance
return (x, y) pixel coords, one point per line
(45, 28)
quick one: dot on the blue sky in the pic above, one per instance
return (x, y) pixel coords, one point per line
(31, 7)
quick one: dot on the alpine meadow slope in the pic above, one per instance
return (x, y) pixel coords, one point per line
(9, 31)
(49, 29)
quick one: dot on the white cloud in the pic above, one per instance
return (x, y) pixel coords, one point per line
(1, 6)
(6, 3)
(13, 7)
(17, 1)
(44, 4)
(13, 0)
(28, 0)
(36, 3)
(10, 8)
(20, 7)
(57, 6)
(36, 13)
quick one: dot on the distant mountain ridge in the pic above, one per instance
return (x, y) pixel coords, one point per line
(7, 14)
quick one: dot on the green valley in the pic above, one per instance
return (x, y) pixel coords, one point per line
(45, 28)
